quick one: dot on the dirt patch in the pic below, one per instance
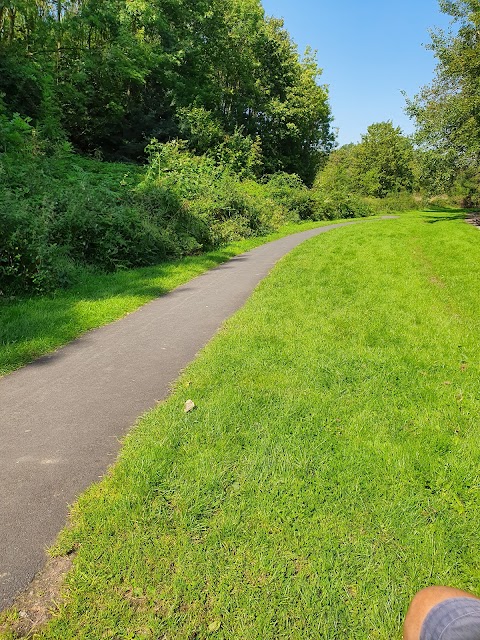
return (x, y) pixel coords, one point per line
(473, 218)
(437, 282)
(35, 606)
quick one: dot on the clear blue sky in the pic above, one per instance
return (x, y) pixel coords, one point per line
(370, 50)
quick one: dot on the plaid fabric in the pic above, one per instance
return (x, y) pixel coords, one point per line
(453, 619)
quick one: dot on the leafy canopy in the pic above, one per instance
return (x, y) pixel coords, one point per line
(112, 74)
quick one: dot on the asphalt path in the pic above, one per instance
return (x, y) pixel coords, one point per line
(62, 417)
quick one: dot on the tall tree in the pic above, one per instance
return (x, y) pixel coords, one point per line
(384, 161)
(115, 73)
(447, 112)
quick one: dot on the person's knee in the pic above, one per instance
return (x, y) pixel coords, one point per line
(422, 604)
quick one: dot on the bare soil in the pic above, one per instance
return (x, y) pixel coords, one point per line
(35, 606)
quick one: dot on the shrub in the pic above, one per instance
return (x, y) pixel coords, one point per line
(28, 261)
(329, 206)
(60, 214)
(208, 204)
(271, 212)
(289, 191)
(56, 216)
(395, 202)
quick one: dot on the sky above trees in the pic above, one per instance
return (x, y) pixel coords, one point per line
(370, 51)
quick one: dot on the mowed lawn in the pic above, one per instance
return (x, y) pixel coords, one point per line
(330, 469)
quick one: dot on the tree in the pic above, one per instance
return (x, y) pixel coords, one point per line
(384, 161)
(115, 73)
(381, 164)
(447, 112)
(338, 175)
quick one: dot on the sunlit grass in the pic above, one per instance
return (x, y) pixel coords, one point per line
(34, 326)
(331, 466)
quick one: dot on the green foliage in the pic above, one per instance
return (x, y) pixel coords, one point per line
(436, 172)
(60, 214)
(107, 76)
(465, 190)
(16, 133)
(395, 202)
(447, 112)
(338, 173)
(289, 191)
(114, 74)
(338, 204)
(28, 260)
(376, 175)
(383, 161)
(200, 127)
(206, 194)
(241, 154)
(204, 135)
(296, 133)
(57, 215)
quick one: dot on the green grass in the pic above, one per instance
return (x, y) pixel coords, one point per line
(329, 471)
(34, 326)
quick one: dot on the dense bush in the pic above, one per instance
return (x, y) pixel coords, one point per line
(110, 74)
(211, 204)
(331, 205)
(289, 191)
(28, 259)
(395, 202)
(340, 204)
(62, 213)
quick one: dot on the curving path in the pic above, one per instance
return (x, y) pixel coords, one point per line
(61, 417)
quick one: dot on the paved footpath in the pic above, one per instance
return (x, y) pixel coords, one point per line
(61, 417)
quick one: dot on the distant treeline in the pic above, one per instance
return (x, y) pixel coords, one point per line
(441, 161)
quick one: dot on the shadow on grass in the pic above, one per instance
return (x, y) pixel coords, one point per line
(443, 209)
(431, 216)
(31, 327)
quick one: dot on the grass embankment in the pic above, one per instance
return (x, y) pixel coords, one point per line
(32, 327)
(329, 471)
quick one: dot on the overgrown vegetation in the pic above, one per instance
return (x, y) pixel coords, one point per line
(212, 94)
(327, 473)
(61, 214)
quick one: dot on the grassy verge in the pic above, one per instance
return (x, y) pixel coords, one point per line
(329, 471)
(34, 326)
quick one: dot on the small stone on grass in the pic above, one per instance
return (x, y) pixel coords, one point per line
(189, 406)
